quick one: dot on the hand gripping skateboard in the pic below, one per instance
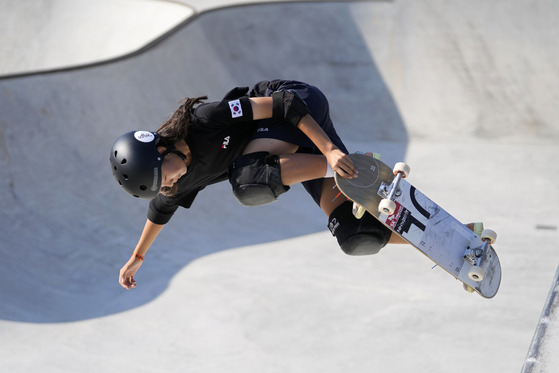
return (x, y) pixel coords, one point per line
(406, 211)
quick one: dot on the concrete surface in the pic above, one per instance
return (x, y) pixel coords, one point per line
(48, 35)
(542, 355)
(465, 92)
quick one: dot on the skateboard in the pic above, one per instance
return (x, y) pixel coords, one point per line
(382, 192)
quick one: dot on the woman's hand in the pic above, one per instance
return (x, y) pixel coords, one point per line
(127, 273)
(149, 234)
(341, 163)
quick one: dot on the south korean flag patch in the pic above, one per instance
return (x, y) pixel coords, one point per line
(236, 109)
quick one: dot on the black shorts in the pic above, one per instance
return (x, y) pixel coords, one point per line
(281, 130)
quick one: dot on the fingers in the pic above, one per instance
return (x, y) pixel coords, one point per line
(344, 167)
(126, 279)
(346, 172)
(127, 282)
(127, 272)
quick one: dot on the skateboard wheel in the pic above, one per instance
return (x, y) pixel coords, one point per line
(358, 210)
(490, 235)
(476, 273)
(468, 288)
(402, 168)
(387, 206)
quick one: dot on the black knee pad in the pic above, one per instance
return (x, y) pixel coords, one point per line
(365, 236)
(256, 179)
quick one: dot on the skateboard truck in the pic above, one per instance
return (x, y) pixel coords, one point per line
(475, 257)
(390, 192)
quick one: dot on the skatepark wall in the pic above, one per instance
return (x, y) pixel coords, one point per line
(542, 355)
(51, 35)
(57, 129)
(464, 91)
(54, 127)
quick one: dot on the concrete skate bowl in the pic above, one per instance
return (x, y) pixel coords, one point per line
(66, 226)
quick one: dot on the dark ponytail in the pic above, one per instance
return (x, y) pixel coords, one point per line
(176, 128)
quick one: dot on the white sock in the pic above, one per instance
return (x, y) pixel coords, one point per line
(329, 171)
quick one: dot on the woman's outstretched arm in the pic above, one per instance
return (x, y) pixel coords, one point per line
(128, 271)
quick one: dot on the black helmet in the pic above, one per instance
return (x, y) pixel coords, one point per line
(136, 163)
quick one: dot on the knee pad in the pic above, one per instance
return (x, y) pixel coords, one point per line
(256, 179)
(365, 236)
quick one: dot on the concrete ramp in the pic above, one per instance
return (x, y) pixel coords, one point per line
(57, 130)
(465, 92)
(541, 356)
(49, 35)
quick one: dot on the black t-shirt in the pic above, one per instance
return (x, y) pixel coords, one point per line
(218, 134)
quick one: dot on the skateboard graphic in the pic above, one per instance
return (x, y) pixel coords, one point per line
(383, 192)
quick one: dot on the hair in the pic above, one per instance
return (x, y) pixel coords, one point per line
(169, 191)
(176, 128)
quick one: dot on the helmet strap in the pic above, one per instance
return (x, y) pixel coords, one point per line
(172, 149)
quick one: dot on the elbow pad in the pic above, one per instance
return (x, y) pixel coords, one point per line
(288, 106)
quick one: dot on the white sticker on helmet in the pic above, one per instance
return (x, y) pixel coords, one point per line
(144, 136)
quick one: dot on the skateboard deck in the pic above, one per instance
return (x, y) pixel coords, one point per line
(424, 224)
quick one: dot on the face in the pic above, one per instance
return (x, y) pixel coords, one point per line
(172, 169)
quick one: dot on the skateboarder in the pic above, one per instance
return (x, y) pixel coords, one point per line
(278, 134)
